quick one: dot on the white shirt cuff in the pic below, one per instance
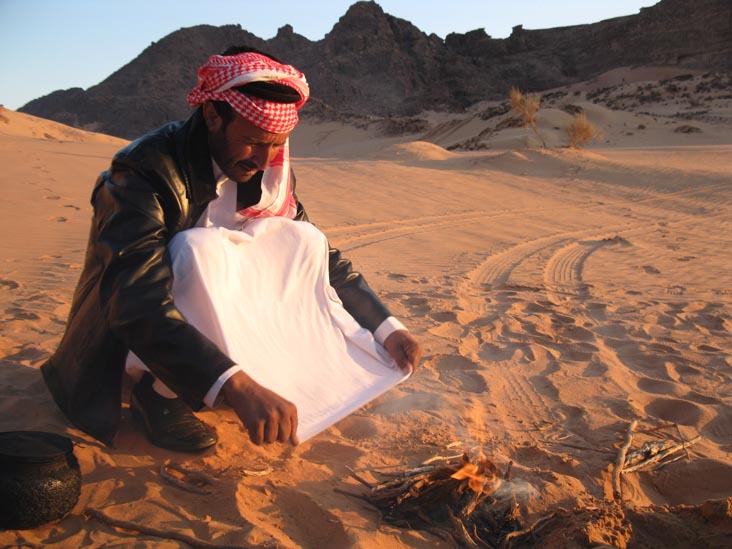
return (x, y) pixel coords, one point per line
(386, 328)
(212, 397)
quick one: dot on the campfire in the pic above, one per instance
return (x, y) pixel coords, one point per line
(463, 500)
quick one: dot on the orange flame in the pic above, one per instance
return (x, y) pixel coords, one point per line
(482, 476)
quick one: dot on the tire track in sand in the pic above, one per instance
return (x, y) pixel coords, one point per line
(497, 269)
(563, 275)
(351, 237)
(563, 272)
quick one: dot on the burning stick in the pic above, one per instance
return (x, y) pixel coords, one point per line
(446, 459)
(531, 529)
(461, 531)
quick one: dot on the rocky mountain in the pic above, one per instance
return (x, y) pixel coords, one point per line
(372, 63)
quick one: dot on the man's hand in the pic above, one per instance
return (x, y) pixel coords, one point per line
(404, 349)
(267, 416)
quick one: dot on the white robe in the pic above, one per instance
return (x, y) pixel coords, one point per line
(262, 294)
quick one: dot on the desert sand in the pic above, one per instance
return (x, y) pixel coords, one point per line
(559, 294)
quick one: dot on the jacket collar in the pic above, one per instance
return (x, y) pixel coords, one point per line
(193, 151)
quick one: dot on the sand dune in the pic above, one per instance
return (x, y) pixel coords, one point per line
(559, 295)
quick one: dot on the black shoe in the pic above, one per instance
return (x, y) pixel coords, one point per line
(168, 422)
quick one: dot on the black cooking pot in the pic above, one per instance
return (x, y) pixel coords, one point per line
(40, 479)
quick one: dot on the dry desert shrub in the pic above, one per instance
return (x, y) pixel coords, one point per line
(687, 129)
(526, 105)
(580, 131)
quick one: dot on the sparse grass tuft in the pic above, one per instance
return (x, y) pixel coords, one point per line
(526, 105)
(580, 131)
(687, 129)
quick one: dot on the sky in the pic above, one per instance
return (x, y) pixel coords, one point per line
(47, 45)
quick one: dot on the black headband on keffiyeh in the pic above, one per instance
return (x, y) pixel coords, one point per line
(238, 80)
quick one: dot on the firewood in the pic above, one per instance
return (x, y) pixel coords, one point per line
(143, 529)
(659, 459)
(452, 497)
(359, 478)
(462, 532)
(620, 462)
(683, 442)
(187, 479)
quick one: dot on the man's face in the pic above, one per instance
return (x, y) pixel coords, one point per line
(241, 149)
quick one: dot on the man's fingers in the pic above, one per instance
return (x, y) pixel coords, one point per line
(413, 354)
(267, 416)
(402, 358)
(257, 432)
(410, 356)
(285, 429)
(272, 428)
(404, 362)
(293, 427)
(404, 349)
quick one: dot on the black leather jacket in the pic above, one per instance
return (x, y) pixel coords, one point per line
(156, 186)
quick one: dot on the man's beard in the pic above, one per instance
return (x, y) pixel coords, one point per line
(240, 172)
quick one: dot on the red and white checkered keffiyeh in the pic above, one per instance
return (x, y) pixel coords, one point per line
(221, 73)
(277, 199)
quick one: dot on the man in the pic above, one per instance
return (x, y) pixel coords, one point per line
(162, 185)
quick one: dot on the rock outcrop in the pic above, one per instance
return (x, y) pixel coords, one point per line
(372, 63)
